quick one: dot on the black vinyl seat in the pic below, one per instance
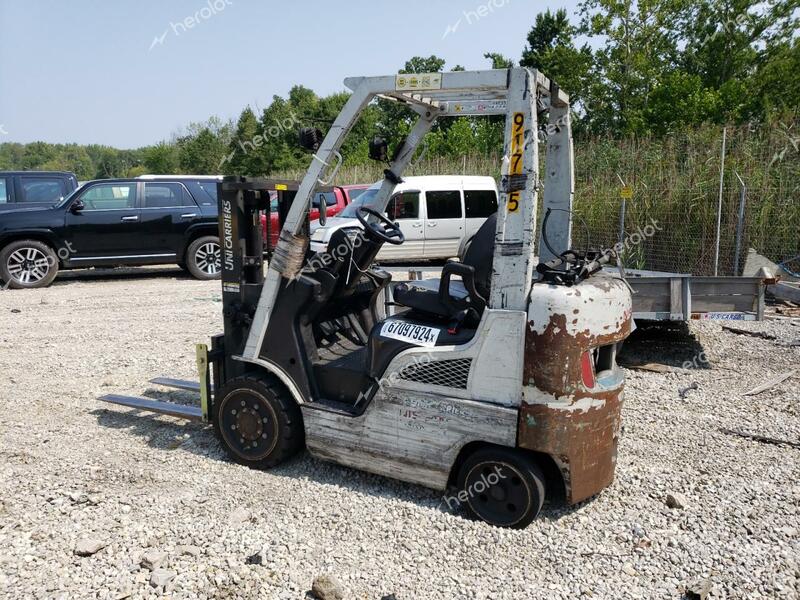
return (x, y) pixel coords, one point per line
(447, 299)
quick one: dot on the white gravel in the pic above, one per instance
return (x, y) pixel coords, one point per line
(78, 474)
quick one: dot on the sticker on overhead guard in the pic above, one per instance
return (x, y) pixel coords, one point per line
(230, 287)
(418, 81)
(419, 335)
(479, 107)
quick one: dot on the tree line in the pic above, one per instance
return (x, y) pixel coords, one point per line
(647, 68)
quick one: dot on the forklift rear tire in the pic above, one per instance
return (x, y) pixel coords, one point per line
(257, 421)
(501, 486)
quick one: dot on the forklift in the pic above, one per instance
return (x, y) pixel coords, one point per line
(496, 383)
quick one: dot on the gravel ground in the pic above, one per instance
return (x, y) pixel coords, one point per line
(78, 475)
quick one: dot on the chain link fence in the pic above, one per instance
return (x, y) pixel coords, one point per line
(683, 223)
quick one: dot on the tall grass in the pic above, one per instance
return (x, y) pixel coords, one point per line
(676, 185)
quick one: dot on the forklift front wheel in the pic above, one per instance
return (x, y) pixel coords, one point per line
(501, 486)
(257, 421)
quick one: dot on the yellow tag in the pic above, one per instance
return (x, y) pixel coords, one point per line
(517, 149)
(281, 187)
(626, 192)
(418, 81)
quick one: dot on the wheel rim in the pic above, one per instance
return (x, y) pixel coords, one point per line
(248, 424)
(28, 265)
(207, 258)
(498, 493)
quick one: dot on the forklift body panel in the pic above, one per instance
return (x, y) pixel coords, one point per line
(572, 393)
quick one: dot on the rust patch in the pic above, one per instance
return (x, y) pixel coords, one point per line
(552, 358)
(584, 443)
(576, 426)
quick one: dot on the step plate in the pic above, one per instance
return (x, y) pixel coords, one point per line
(193, 413)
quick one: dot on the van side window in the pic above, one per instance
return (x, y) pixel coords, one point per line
(4, 187)
(404, 206)
(443, 205)
(480, 203)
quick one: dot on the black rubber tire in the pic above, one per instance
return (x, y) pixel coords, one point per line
(194, 261)
(519, 480)
(280, 432)
(46, 258)
(465, 250)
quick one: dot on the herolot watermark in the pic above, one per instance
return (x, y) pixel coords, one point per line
(473, 16)
(637, 237)
(339, 252)
(698, 361)
(278, 128)
(212, 7)
(475, 489)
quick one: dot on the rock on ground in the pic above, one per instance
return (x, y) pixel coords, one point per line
(88, 547)
(326, 587)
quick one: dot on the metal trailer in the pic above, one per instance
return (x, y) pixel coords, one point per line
(498, 380)
(661, 296)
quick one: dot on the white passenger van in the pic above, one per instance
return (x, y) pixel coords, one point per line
(435, 214)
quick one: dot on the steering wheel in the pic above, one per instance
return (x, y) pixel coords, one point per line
(385, 230)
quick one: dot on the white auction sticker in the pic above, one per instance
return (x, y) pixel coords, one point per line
(411, 333)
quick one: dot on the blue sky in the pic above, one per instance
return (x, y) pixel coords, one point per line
(129, 73)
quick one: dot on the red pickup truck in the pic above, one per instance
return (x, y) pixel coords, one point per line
(336, 200)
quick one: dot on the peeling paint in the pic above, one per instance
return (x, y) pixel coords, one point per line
(576, 426)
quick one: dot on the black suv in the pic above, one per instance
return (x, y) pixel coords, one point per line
(20, 189)
(114, 222)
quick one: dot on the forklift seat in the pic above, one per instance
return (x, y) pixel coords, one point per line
(428, 296)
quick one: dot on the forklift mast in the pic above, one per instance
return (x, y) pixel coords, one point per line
(242, 238)
(521, 95)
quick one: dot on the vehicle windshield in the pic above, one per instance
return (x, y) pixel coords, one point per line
(364, 197)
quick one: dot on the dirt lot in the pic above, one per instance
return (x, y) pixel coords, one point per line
(73, 470)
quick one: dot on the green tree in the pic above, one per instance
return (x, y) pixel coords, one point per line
(681, 100)
(161, 158)
(639, 48)
(498, 60)
(738, 47)
(419, 64)
(776, 86)
(203, 146)
(245, 155)
(551, 49)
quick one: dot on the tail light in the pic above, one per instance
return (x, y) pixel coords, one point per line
(587, 369)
